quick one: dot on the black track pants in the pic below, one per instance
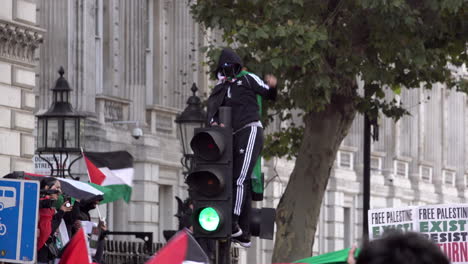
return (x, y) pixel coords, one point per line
(247, 146)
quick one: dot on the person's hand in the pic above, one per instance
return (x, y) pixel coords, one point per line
(351, 259)
(271, 80)
(66, 206)
(102, 225)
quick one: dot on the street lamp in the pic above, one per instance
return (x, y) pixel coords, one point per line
(59, 129)
(192, 117)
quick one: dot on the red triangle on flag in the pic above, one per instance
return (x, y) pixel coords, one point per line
(174, 252)
(95, 174)
(76, 251)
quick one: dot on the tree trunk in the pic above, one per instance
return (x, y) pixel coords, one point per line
(299, 207)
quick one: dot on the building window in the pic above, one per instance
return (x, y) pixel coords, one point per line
(449, 177)
(425, 172)
(345, 159)
(401, 168)
(376, 164)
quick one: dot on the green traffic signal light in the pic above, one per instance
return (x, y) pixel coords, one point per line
(209, 219)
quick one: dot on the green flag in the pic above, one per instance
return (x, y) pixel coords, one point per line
(335, 257)
(257, 180)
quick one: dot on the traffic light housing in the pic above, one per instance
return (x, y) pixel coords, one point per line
(262, 222)
(210, 182)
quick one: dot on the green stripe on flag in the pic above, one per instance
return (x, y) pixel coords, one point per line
(336, 257)
(114, 192)
(257, 184)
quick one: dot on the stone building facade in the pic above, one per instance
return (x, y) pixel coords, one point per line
(20, 38)
(421, 159)
(131, 61)
(136, 60)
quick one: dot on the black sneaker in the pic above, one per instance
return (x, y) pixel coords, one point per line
(242, 241)
(236, 230)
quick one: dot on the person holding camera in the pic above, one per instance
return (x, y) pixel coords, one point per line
(49, 220)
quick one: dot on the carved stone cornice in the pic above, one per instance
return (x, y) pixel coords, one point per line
(18, 42)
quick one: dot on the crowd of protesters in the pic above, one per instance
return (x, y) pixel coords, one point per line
(60, 217)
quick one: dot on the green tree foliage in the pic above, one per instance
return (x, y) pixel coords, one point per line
(318, 49)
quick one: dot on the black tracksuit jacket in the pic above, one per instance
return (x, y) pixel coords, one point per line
(239, 93)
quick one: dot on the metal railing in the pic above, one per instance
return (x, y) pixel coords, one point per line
(128, 252)
(134, 252)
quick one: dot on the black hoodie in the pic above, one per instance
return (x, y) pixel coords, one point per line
(239, 93)
(230, 57)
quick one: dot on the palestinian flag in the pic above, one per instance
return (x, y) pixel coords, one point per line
(112, 172)
(181, 249)
(76, 189)
(76, 251)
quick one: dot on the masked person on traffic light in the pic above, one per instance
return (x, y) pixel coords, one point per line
(238, 89)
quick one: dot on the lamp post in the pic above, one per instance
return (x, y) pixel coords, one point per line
(192, 117)
(59, 130)
(371, 131)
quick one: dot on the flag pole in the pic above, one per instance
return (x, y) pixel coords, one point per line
(82, 154)
(87, 172)
(89, 177)
(99, 213)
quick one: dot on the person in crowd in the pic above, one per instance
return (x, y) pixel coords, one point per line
(49, 220)
(239, 89)
(98, 256)
(81, 211)
(398, 247)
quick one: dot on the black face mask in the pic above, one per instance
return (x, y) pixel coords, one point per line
(229, 70)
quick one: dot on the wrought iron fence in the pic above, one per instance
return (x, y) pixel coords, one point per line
(134, 252)
(128, 252)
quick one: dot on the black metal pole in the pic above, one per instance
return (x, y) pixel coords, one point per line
(223, 248)
(225, 116)
(223, 251)
(366, 179)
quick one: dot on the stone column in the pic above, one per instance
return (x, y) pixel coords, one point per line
(71, 43)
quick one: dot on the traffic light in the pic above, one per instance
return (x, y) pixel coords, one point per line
(262, 222)
(210, 182)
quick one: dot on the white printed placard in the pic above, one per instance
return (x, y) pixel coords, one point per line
(447, 226)
(381, 220)
(444, 224)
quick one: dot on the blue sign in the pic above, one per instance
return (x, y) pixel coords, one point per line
(19, 202)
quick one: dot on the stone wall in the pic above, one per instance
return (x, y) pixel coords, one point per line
(19, 39)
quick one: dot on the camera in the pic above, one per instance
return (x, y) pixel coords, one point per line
(67, 200)
(46, 203)
(48, 192)
(137, 133)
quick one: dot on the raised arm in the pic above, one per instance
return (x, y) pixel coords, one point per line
(266, 90)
